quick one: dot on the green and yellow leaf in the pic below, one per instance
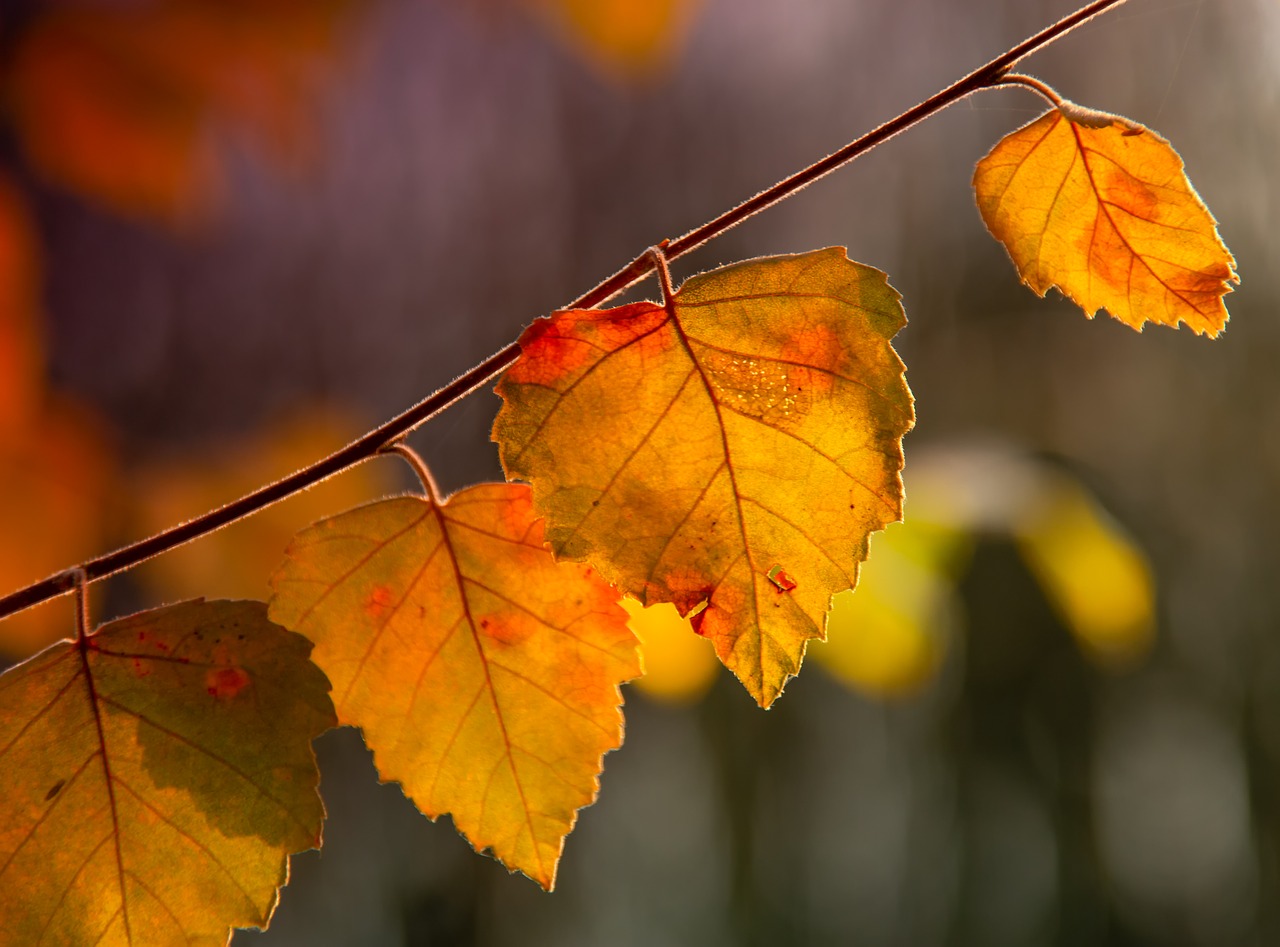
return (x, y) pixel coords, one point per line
(157, 777)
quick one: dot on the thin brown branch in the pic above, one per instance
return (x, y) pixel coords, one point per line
(371, 443)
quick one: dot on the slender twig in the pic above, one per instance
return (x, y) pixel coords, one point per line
(658, 257)
(420, 468)
(82, 604)
(367, 446)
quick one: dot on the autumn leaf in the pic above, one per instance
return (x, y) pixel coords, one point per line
(157, 776)
(485, 676)
(1100, 207)
(735, 451)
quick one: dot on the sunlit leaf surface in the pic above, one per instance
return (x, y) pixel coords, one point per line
(1100, 207)
(156, 777)
(734, 452)
(484, 674)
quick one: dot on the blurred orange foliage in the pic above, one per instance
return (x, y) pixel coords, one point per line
(119, 102)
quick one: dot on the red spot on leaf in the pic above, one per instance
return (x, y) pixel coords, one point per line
(780, 578)
(381, 599)
(140, 669)
(226, 683)
(554, 351)
(505, 630)
(696, 620)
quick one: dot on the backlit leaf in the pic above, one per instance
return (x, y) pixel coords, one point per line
(736, 451)
(156, 778)
(1100, 207)
(484, 674)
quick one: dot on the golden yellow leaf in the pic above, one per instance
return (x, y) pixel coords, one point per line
(156, 777)
(735, 452)
(1100, 207)
(484, 675)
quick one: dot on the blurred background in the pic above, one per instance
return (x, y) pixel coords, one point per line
(236, 233)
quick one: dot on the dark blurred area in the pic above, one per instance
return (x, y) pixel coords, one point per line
(467, 169)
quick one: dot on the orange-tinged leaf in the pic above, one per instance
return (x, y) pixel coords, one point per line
(484, 674)
(753, 430)
(1100, 207)
(156, 777)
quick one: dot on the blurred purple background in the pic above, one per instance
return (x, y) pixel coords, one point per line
(474, 173)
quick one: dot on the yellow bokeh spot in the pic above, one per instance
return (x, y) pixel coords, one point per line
(626, 37)
(887, 638)
(680, 666)
(1093, 574)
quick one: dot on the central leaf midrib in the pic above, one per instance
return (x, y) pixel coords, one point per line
(733, 477)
